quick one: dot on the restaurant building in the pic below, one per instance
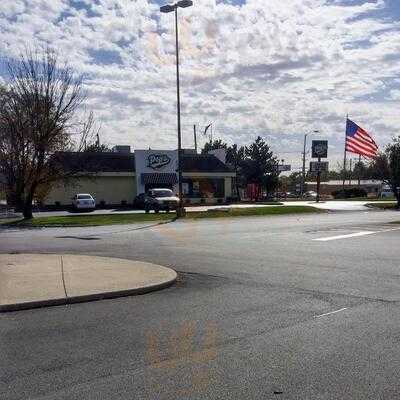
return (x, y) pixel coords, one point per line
(116, 178)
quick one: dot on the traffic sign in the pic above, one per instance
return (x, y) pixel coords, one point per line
(319, 149)
(283, 168)
(319, 166)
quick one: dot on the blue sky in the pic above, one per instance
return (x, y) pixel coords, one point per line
(276, 69)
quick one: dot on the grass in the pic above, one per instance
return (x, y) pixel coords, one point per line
(383, 206)
(385, 199)
(253, 211)
(8, 221)
(114, 219)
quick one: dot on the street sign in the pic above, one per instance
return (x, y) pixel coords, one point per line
(319, 166)
(283, 168)
(319, 149)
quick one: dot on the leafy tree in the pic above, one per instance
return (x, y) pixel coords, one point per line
(387, 167)
(213, 145)
(291, 182)
(235, 158)
(261, 165)
(97, 148)
(38, 119)
(253, 164)
(360, 170)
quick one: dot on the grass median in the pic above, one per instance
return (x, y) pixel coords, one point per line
(115, 219)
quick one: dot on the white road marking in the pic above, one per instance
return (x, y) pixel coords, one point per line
(356, 234)
(329, 313)
(327, 239)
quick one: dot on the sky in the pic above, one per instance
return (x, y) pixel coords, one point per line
(276, 68)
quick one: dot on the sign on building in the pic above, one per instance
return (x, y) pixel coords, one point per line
(319, 149)
(156, 168)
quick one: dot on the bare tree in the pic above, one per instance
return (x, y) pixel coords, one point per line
(39, 120)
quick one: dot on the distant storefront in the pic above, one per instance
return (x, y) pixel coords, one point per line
(115, 178)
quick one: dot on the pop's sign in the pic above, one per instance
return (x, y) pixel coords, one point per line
(157, 161)
(319, 149)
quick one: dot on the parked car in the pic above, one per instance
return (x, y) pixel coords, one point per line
(83, 201)
(292, 195)
(386, 193)
(160, 199)
(310, 194)
(139, 201)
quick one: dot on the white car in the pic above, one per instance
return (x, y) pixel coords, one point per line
(310, 194)
(83, 201)
(386, 193)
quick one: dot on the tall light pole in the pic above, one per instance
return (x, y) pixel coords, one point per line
(303, 180)
(167, 9)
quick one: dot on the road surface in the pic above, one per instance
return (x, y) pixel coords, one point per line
(285, 307)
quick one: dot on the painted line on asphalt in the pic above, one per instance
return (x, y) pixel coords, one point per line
(356, 234)
(330, 313)
(350, 235)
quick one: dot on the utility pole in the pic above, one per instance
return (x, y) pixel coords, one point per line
(303, 181)
(195, 138)
(167, 9)
(350, 171)
(319, 180)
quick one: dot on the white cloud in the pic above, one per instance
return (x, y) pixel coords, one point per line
(278, 70)
(395, 94)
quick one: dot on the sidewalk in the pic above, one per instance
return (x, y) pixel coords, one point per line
(37, 280)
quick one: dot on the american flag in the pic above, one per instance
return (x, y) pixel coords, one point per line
(358, 141)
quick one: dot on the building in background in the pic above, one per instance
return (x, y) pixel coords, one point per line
(115, 178)
(372, 187)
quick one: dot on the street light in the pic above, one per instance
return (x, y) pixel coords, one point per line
(303, 181)
(167, 9)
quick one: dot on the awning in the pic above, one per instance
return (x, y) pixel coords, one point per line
(159, 179)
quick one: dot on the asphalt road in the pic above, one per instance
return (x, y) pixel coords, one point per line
(285, 307)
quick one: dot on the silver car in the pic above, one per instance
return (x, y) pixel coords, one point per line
(83, 201)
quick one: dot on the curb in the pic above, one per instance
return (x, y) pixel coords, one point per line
(87, 298)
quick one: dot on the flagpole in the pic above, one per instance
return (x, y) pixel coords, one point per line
(345, 154)
(359, 170)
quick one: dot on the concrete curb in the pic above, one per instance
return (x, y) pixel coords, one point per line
(87, 298)
(30, 281)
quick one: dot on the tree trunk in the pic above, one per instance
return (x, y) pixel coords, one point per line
(237, 184)
(28, 207)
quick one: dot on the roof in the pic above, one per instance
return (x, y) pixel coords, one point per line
(203, 163)
(125, 162)
(97, 162)
(159, 178)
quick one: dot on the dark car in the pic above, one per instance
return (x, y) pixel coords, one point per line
(160, 199)
(139, 201)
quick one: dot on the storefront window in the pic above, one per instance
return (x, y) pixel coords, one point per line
(205, 187)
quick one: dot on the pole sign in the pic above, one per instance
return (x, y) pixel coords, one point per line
(319, 166)
(319, 149)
